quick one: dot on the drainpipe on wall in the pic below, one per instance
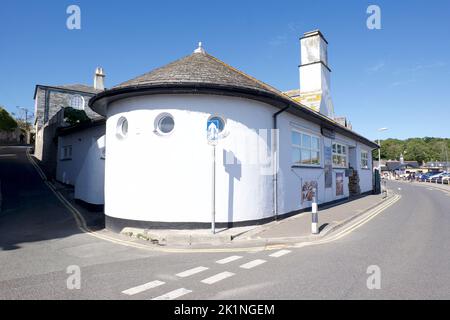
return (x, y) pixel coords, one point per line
(275, 166)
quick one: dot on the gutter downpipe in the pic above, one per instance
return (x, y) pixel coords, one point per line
(275, 167)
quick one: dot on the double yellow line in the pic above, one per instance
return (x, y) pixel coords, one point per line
(82, 226)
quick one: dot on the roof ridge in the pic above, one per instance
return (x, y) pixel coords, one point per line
(267, 86)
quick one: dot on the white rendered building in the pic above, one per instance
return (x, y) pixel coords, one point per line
(272, 155)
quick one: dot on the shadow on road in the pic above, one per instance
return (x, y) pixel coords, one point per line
(30, 211)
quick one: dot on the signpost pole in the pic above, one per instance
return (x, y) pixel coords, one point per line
(213, 138)
(213, 200)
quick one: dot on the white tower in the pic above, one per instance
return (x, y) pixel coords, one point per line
(315, 74)
(99, 79)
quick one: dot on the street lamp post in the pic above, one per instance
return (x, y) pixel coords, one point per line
(379, 149)
(27, 129)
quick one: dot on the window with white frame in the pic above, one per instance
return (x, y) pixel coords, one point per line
(364, 159)
(66, 153)
(339, 155)
(305, 149)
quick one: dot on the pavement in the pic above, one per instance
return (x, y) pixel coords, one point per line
(289, 230)
(40, 243)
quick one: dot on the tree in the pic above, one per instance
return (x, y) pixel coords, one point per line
(7, 123)
(415, 149)
(74, 116)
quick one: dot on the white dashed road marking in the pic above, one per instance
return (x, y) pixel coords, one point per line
(191, 272)
(229, 259)
(173, 294)
(143, 287)
(280, 253)
(253, 264)
(218, 277)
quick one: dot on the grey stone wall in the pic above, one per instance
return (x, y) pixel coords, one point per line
(49, 105)
(58, 100)
(46, 148)
(50, 100)
(39, 107)
(10, 137)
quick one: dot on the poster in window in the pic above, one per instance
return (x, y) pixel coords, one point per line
(339, 184)
(308, 190)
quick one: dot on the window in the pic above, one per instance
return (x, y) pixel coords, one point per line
(164, 124)
(66, 153)
(305, 149)
(364, 159)
(77, 102)
(218, 120)
(122, 128)
(339, 155)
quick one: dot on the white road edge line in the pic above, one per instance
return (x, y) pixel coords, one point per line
(218, 277)
(279, 253)
(253, 264)
(191, 272)
(142, 288)
(228, 260)
(173, 294)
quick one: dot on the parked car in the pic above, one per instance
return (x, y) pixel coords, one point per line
(440, 178)
(426, 176)
(446, 180)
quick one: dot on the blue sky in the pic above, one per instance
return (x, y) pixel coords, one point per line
(397, 77)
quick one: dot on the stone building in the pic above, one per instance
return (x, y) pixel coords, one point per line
(49, 101)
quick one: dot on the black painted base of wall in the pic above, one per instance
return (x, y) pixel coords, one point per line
(90, 206)
(118, 224)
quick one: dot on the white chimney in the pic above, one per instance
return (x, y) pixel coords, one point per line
(99, 79)
(315, 73)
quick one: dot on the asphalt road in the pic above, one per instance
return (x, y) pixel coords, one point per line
(409, 242)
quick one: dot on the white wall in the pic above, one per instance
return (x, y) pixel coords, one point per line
(157, 178)
(291, 178)
(365, 175)
(86, 169)
(168, 178)
(39, 143)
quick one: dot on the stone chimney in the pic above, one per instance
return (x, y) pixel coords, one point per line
(99, 79)
(315, 74)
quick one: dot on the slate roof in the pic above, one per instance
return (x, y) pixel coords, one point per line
(79, 87)
(203, 73)
(397, 165)
(200, 68)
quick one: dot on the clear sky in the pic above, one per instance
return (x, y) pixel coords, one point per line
(397, 77)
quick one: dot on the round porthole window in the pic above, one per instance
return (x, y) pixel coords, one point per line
(219, 121)
(165, 123)
(122, 127)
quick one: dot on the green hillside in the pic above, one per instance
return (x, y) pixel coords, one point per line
(415, 149)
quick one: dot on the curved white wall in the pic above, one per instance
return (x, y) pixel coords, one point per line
(169, 178)
(86, 170)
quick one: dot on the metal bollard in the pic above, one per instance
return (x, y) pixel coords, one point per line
(315, 217)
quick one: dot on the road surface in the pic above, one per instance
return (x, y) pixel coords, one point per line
(408, 243)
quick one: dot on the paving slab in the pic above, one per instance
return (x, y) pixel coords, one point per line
(300, 225)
